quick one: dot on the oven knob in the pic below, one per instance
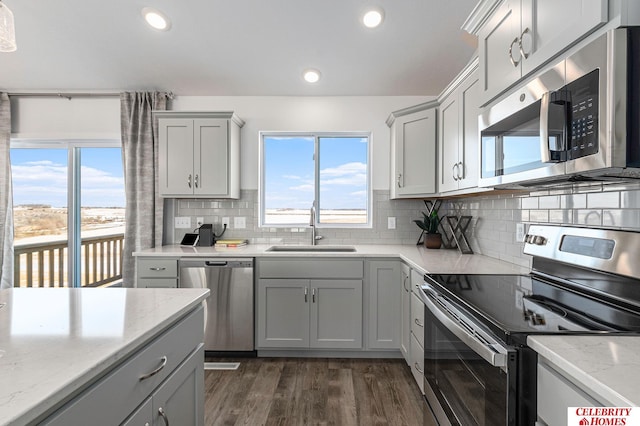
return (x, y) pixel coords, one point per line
(540, 240)
(528, 238)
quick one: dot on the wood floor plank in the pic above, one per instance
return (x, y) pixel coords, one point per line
(313, 391)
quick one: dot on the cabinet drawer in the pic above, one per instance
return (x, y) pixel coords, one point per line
(311, 268)
(416, 354)
(556, 393)
(417, 319)
(417, 279)
(111, 399)
(157, 283)
(152, 268)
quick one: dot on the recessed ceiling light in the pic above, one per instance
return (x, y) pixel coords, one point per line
(311, 76)
(373, 18)
(156, 19)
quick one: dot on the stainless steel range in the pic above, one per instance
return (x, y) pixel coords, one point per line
(478, 368)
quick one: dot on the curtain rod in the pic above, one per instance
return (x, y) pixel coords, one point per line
(70, 95)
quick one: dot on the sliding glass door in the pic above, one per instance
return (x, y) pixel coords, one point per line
(68, 213)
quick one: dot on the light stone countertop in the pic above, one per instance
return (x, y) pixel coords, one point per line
(608, 366)
(419, 258)
(53, 341)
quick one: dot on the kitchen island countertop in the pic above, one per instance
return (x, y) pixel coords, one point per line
(609, 366)
(55, 341)
(417, 257)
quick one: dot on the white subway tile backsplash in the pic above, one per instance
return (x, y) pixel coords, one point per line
(603, 200)
(530, 203)
(549, 202)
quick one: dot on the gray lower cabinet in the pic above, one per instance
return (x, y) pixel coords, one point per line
(405, 317)
(304, 303)
(156, 272)
(384, 304)
(167, 373)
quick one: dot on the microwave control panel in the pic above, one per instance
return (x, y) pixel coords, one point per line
(584, 115)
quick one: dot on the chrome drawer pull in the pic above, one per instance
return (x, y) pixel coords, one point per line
(418, 323)
(164, 416)
(158, 269)
(157, 370)
(417, 367)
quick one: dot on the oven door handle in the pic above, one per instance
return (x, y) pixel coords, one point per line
(493, 352)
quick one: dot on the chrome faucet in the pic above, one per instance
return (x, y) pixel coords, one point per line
(312, 224)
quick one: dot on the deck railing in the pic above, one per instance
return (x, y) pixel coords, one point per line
(45, 264)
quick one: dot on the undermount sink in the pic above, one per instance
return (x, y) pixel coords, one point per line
(313, 249)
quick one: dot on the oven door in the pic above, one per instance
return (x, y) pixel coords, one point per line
(469, 377)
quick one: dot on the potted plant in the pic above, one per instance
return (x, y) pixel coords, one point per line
(429, 225)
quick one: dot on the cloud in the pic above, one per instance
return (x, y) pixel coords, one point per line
(344, 169)
(358, 194)
(304, 187)
(293, 177)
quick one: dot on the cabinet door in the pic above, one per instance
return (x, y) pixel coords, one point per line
(384, 305)
(415, 154)
(417, 362)
(405, 319)
(448, 143)
(180, 399)
(469, 139)
(283, 313)
(336, 314)
(550, 26)
(143, 416)
(211, 157)
(175, 156)
(497, 44)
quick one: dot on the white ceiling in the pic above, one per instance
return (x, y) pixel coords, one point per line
(237, 47)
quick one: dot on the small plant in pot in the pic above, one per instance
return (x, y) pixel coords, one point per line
(429, 225)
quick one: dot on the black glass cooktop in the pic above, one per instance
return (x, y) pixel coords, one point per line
(514, 306)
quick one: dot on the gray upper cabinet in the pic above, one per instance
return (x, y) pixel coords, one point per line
(458, 132)
(413, 151)
(199, 154)
(521, 35)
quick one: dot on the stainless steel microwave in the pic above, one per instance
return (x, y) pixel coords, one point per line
(578, 121)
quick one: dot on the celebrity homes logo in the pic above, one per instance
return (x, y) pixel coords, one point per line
(603, 416)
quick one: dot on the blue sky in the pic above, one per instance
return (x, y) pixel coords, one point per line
(289, 172)
(40, 177)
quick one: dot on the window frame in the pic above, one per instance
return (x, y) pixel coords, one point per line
(316, 135)
(73, 147)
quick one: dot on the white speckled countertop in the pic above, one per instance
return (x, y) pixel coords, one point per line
(425, 260)
(55, 340)
(608, 366)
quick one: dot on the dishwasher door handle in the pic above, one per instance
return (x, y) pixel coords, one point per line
(215, 263)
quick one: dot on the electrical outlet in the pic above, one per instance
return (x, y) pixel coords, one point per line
(521, 230)
(391, 222)
(225, 221)
(199, 221)
(183, 222)
(239, 222)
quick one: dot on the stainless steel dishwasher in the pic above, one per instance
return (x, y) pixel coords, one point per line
(230, 306)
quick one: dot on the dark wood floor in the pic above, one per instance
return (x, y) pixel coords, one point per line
(294, 391)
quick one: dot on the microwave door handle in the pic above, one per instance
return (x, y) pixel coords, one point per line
(492, 353)
(545, 152)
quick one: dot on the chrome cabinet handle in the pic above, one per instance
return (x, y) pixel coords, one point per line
(418, 323)
(455, 172)
(524, 55)
(460, 167)
(164, 416)
(306, 293)
(404, 283)
(196, 181)
(398, 180)
(513, 61)
(417, 367)
(189, 181)
(157, 370)
(313, 295)
(158, 269)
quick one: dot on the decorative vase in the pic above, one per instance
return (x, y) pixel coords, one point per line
(433, 241)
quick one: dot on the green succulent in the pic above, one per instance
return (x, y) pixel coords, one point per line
(429, 223)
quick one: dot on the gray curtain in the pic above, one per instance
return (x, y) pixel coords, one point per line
(6, 196)
(144, 209)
